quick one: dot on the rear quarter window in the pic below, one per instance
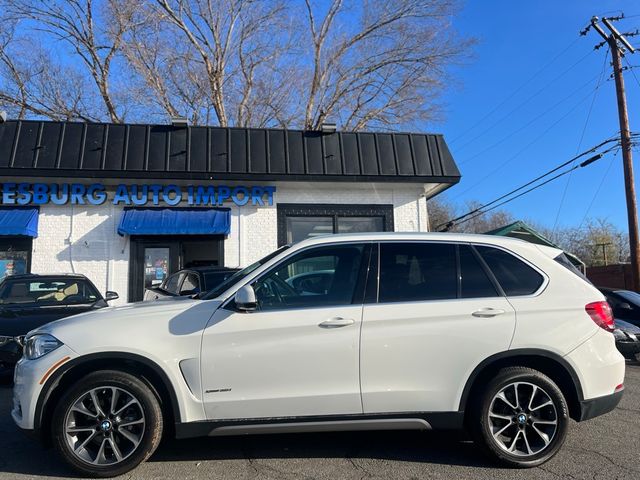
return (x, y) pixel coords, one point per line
(514, 276)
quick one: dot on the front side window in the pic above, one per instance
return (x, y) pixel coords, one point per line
(514, 276)
(318, 277)
(240, 274)
(49, 292)
(411, 272)
(190, 284)
(173, 283)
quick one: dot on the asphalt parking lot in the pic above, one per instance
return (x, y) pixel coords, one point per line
(607, 447)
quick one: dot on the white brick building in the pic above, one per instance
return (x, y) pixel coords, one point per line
(324, 183)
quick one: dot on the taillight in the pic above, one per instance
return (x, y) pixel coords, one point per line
(600, 312)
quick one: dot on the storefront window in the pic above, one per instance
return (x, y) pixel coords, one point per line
(299, 228)
(299, 221)
(14, 256)
(360, 224)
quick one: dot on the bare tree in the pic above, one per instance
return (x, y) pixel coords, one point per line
(32, 83)
(94, 34)
(237, 44)
(288, 63)
(378, 64)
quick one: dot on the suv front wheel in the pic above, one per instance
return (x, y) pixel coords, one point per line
(521, 417)
(107, 424)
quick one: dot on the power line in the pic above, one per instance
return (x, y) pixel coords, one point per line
(515, 109)
(595, 195)
(516, 91)
(584, 129)
(630, 68)
(532, 121)
(501, 200)
(583, 164)
(522, 150)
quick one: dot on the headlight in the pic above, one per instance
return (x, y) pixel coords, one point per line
(40, 344)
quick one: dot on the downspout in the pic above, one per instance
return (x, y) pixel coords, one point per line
(419, 223)
(69, 241)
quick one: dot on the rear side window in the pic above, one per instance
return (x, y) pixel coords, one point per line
(412, 272)
(474, 281)
(515, 276)
(563, 260)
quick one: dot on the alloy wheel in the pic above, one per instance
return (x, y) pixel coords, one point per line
(523, 419)
(104, 426)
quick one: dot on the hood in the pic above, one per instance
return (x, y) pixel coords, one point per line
(105, 318)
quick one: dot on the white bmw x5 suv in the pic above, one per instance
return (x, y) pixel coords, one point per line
(396, 331)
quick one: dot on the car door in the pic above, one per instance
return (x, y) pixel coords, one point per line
(297, 354)
(436, 315)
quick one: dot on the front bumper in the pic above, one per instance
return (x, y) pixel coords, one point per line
(28, 382)
(599, 406)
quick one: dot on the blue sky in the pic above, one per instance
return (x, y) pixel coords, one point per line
(542, 124)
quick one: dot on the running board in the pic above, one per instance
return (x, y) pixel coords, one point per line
(330, 423)
(326, 426)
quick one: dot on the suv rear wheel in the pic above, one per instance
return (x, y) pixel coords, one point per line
(521, 417)
(107, 424)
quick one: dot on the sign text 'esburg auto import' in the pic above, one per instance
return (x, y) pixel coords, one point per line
(139, 195)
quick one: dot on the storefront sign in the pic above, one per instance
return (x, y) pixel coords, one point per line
(137, 195)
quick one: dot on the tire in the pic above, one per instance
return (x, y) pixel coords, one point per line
(525, 436)
(113, 439)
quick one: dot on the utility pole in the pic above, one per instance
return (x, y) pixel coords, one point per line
(604, 251)
(617, 51)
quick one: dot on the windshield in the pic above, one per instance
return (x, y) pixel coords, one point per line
(629, 296)
(48, 292)
(239, 275)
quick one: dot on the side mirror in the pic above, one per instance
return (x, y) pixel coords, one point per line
(624, 306)
(109, 295)
(245, 299)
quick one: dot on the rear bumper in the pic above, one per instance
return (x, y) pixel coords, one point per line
(599, 406)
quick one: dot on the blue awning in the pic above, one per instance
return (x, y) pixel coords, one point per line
(19, 221)
(175, 221)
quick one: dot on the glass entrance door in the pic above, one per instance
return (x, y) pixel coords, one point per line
(153, 259)
(156, 265)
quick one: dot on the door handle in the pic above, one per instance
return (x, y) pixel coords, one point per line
(488, 312)
(336, 322)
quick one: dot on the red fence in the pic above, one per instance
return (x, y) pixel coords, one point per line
(613, 276)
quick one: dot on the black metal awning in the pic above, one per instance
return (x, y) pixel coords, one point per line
(101, 150)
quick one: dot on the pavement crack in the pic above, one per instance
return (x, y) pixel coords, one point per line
(364, 471)
(606, 457)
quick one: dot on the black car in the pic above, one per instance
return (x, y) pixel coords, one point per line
(627, 339)
(624, 303)
(28, 301)
(190, 281)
